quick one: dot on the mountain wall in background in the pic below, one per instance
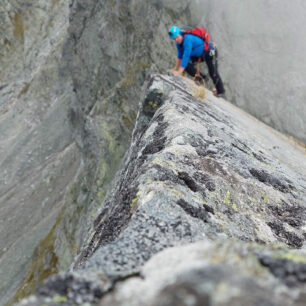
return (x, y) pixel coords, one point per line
(262, 53)
(70, 82)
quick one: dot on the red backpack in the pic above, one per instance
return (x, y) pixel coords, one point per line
(202, 33)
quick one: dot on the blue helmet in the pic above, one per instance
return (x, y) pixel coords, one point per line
(174, 31)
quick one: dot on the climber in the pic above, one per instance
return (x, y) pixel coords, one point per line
(191, 49)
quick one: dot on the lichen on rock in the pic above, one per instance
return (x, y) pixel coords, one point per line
(188, 177)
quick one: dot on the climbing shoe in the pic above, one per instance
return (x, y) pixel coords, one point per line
(221, 95)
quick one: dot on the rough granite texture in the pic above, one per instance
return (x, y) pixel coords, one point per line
(70, 79)
(198, 170)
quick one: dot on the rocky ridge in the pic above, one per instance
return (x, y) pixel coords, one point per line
(68, 102)
(69, 88)
(223, 193)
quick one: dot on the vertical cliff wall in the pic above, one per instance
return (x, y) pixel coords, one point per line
(70, 80)
(262, 54)
(38, 158)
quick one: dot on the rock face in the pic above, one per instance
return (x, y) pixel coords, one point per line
(38, 157)
(198, 170)
(69, 89)
(70, 80)
(262, 47)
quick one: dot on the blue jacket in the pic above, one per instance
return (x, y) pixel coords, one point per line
(191, 46)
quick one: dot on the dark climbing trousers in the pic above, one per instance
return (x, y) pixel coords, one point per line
(212, 64)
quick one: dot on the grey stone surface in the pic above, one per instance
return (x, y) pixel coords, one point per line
(70, 80)
(38, 158)
(69, 89)
(198, 170)
(211, 162)
(261, 48)
(206, 273)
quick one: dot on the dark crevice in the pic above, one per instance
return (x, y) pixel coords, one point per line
(154, 147)
(290, 272)
(195, 212)
(288, 237)
(75, 289)
(188, 181)
(269, 179)
(293, 215)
